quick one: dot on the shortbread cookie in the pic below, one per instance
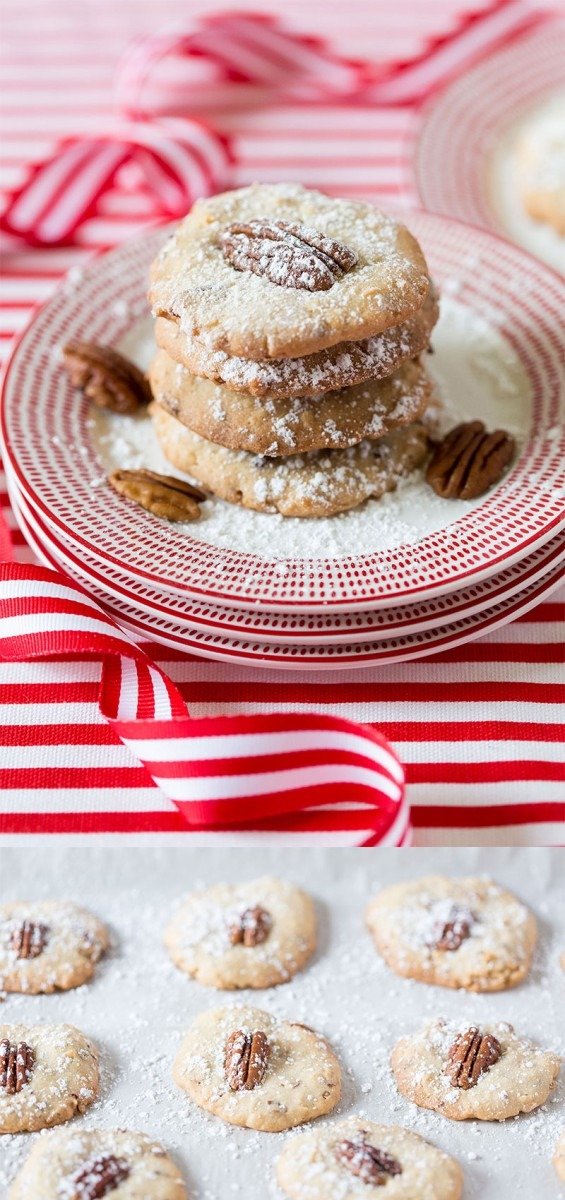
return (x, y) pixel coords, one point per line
(541, 156)
(459, 933)
(283, 427)
(46, 945)
(244, 935)
(275, 271)
(47, 1074)
(344, 365)
(72, 1164)
(559, 1156)
(356, 1158)
(315, 485)
(464, 1070)
(251, 1069)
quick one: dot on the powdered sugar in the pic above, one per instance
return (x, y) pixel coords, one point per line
(479, 375)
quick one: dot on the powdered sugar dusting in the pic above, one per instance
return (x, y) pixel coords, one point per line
(478, 374)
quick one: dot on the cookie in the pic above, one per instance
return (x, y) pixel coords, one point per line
(281, 427)
(464, 1071)
(559, 1156)
(85, 1164)
(276, 271)
(356, 1158)
(252, 1069)
(459, 933)
(48, 945)
(344, 365)
(48, 1073)
(244, 935)
(315, 485)
(541, 157)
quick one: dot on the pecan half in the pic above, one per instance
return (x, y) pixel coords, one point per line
(17, 1061)
(245, 1060)
(106, 377)
(288, 254)
(29, 939)
(162, 495)
(471, 1054)
(369, 1164)
(99, 1177)
(251, 927)
(469, 460)
(450, 933)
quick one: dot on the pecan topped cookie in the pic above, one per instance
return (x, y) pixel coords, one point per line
(47, 1074)
(242, 935)
(252, 1069)
(460, 933)
(360, 1160)
(274, 271)
(465, 1070)
(47, 945)
(89, 1164)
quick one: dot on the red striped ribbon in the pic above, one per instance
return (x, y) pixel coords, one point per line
(319, 773)
(179, 158)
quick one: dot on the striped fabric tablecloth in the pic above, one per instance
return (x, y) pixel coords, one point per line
(479, 729)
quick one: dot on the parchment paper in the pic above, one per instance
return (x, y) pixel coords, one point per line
(139, 1005)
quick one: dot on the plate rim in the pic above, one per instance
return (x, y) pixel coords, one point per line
(312, 638)
(356, 662)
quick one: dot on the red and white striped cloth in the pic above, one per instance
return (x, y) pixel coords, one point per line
(479, 729)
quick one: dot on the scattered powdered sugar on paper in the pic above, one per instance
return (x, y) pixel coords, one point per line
(139, 1006)
(478, 375)
(506, 180)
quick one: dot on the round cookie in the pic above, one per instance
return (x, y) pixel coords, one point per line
(282, 427)
(245, 935)
(47, 945)
(541, 157)
(48, 1073)
(466, 1071)
(356, 1158)
(317, 485)
(132, 1166)
(234, 309)
(254, 1070)
(344, 365)
(559, 1156)
(460, 933)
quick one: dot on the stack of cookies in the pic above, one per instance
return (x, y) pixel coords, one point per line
(289, 327)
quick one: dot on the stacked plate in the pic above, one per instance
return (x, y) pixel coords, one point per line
(398, 579)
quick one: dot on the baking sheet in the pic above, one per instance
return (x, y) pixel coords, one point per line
(139, 1004)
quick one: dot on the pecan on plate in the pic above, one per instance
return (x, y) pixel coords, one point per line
(17, 1061)
(449, 934)
(469, 460)
(369, 1164)
(250, 927)
(162, 495)
(245, 1060)
(286, 253)
(471, 1054)
(99, 1177)
(29, 939)
(106, 377)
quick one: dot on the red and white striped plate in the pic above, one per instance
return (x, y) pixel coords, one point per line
(49, 446)
(465, 125)
(290, 628)
(294, 656)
